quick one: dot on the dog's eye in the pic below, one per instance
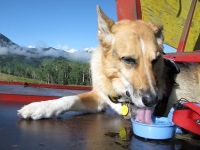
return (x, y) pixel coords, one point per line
(155, 60)
(129, 60)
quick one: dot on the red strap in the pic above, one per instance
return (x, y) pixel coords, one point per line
(186, 118)
(192, 106)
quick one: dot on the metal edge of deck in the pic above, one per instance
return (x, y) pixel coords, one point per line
(190, 57)
(25, 98)
(70, 87)
(130, 9)
(36, 98)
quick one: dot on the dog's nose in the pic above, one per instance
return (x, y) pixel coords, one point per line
(149, 100)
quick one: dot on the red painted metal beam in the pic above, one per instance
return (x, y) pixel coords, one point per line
(27, 98)
(35, 98)
(69, 87)
(128, 9)
(183, 40)
(184, 57)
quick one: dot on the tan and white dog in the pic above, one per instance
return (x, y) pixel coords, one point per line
(188, 84)
(128, 65)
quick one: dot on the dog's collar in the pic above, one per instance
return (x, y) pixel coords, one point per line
(115, 99)
(119, 100)
(126, 109)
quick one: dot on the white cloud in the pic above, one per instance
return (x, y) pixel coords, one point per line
(3, 50)
(70, 50)
(62, 50)
(30, 46)
(41, 44)
(80, 55)
(62, 47)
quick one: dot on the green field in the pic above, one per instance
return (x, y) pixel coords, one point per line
(11, 78)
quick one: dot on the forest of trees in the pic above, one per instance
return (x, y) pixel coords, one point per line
(57, 71)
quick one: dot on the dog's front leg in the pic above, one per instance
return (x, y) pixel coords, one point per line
(86, 102)
(48, 109)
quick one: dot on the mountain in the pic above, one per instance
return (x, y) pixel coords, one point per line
(49, 65)
(9, 48)
(4, 41)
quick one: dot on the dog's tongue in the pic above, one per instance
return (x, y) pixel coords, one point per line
(144, 115)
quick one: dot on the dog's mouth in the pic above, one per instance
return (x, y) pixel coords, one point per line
(145, 106)
(144, 115)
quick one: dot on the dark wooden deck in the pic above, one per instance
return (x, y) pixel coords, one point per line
(73, 130)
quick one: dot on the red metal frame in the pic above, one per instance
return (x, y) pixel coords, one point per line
(183, 40)
(35, 98)
(130, 9)
(69, 87)
(184, 57)
(23, 98)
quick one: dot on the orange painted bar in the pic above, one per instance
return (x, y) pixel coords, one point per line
(22, 98)
(36, 98)
(128, 9)
(184, 36)
(184, 56)
(69, 87)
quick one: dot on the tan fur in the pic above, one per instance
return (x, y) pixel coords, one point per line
(129, 59)
(188, 85)
(123, 39)
(90, 99)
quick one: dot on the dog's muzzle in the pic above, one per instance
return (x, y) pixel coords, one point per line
(149, 100)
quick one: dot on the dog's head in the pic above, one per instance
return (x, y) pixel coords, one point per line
(132, 52)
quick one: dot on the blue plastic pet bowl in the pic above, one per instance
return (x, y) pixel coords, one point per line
(160, 130)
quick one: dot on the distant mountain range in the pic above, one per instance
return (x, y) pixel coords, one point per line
(8, 48)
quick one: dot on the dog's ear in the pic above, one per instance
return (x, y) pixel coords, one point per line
(157, 29)
(104, 27)
(172, 65)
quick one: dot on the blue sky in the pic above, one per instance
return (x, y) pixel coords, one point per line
(54, 23)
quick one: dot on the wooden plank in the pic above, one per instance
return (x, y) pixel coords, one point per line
(172, 14)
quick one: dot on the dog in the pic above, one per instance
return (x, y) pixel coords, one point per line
(127, 68)
(187, 85)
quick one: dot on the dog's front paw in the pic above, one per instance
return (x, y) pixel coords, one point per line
(37, 110)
